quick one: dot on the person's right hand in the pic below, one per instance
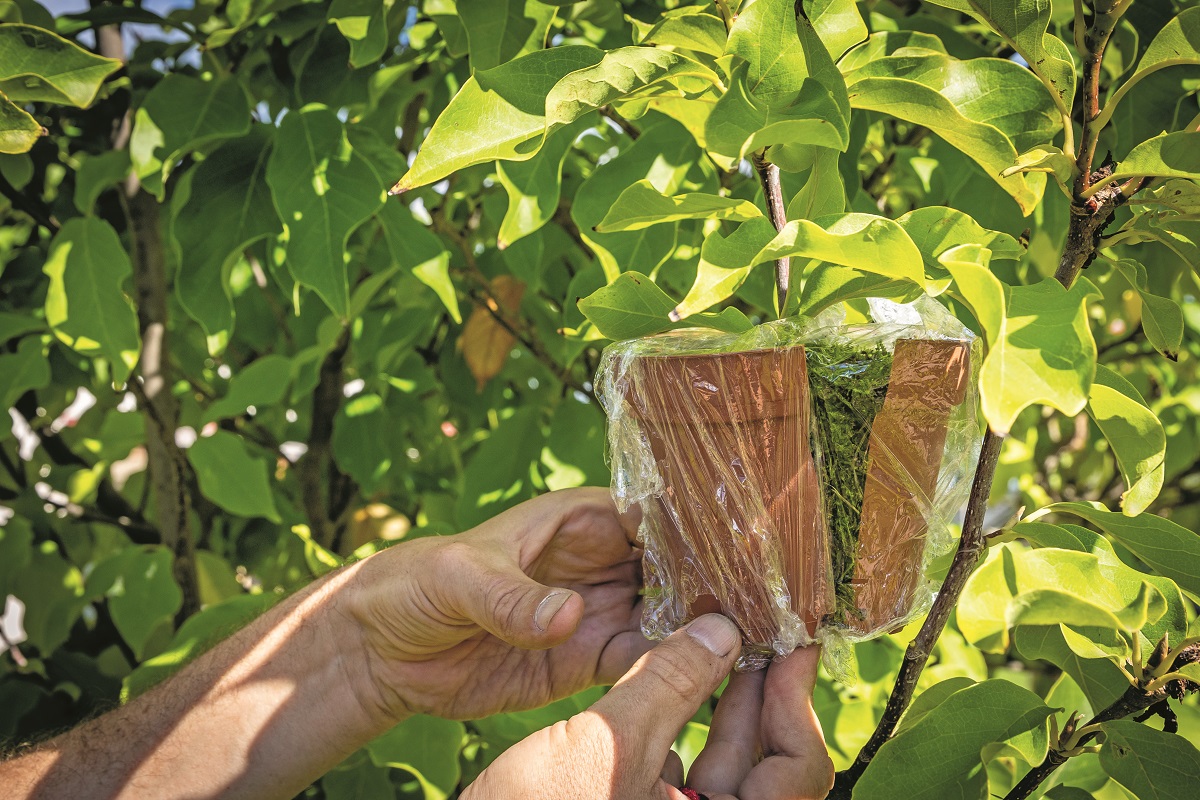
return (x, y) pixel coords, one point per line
(620, 748)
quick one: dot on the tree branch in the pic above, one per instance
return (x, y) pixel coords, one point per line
(768, 176)
(970, 546)
(1134, 700)
(323, 486)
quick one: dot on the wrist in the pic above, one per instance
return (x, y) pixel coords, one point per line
(349, 628)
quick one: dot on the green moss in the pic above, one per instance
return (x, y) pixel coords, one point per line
(848, 384)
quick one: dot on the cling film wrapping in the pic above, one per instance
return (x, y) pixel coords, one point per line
(798, 478)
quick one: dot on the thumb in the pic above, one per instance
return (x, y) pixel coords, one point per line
(655, 699)
(510, 605)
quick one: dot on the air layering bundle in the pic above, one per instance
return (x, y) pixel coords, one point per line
(798, 478)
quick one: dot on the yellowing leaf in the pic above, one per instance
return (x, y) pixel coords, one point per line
(485, 343)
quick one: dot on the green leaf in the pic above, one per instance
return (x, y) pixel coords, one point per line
(1135, 434)
(1100, 680)
(823, 193)
(262, 382)
(641, 205)
(232, 478)
(49, 615)
(363, 781)
(1019, 587)
(39, 66)
(1046, 158)
(364, 25)
(1162, 318)
(936, 229)
(838, 23)
(663, 155)
(498, 475)
(1168, 155)
(323, 190)
(534, 186)
(633, 306)
(23, 370)
(724, 265)
(1151, 764)
(359, 445)
(96, 174)
(986, 108)
(885, 43)
(1179, 195)
(828, 284)
(1044, 352)
(497, 30)
(426, 746)
(180, 114)
(1167, 547)
(690, 28)
(931, 698)
(415, 248)
(621, 73)
(499, 114)
(84, 304)
(1177, 43)
(227, 208)
(1023, 25)
(13, 325)
(19, 131)
(952, 741)
(141, 590)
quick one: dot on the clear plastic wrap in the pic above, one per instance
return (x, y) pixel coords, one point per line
(798, 478)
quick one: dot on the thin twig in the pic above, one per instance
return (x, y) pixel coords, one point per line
(768, 176)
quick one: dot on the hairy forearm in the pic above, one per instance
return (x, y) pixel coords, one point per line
(261, 715)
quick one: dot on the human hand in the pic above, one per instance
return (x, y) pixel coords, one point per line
(462, 626)
(765, 742)
(620, 748)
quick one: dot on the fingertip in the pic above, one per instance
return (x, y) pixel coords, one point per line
(558, 616)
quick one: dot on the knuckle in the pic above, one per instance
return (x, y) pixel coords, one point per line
(675, 670)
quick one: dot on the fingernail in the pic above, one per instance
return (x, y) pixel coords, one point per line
(546, 609)
(716, 633)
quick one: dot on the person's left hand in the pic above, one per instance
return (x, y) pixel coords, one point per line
(765, 742)
(536, 604)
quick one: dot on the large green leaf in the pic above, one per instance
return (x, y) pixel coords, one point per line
(359, 444)
(660, 155)
(499, 114)
(1040, 344)
(936, 229)
(414, 247)
(1100, 679)
(498, 475)
(226, 208)
(1167, 547)
(1177, 43)
(19, 131)
(180, 114)
(535, 186)
(323, 190)
(989, 109)
(1151, 764)
(1168, 155)
(1135, 434)
(1023, 24)
(690, 28)
(39, 66)
(1048, 586)
(364, 24)
(141, 590)
(1162, 318)
(784, 88)
(96, 174)
(85, 304)
(425, 746)
(838, 23)
(641, 205)
(861, 241)
(231, 477)
(633, 306)
(497, 30)
(827, 284)
(952, 742)
(262, 382)
(23, 370)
